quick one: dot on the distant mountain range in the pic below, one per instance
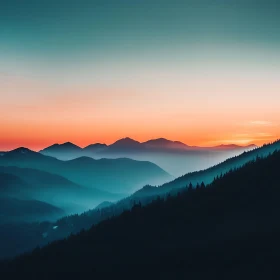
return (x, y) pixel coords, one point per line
(121, 176)
(69, 150)
(208, 175)
(18, 210)
(28, 183)
(16, 206)
(175, 157)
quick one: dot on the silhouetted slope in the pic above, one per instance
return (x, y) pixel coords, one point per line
(229, 230)
(33, 176)
(30, 183)
(9, 181)
(14, 210)
(208, 175)
(104, 204)
(94, 148)
(125, 144)
(162, 143)
(63, 151)
(12, 186)
(231, 146)
(174, 157)
(69, 150)
(111, 175)
(75, 223)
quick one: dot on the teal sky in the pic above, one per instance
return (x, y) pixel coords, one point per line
(142, 53)
(60, 27)
(58, 31)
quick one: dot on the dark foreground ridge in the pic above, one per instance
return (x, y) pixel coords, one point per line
(228, 230)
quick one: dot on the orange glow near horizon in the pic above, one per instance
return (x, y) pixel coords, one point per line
(196, 113)
(38, 135)
(38, 144)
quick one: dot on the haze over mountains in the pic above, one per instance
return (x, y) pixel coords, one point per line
(107, 209)
(114, 175)
(175, 157)
(229, 228)
(33, 184)
(83, 183)
(76, 185)
(17, 206)
(20, 210)
(209, 174)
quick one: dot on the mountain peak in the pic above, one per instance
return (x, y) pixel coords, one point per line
(22, 150)
(126, 141)
(96, 145)
(61, 147)
(159, 140)
(19, 152)
(69, 144)
(165, 143)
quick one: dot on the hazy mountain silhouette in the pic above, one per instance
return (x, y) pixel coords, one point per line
(104, 204)
(208, 175)
(162, 143)
(229, 228)
(62, 151)
(175, 157)
(10, 182)
(125, 143)
(76, 223)
(16, 210)
(94, 148)
(145, 196)
(111, 175)
(51, 188)
(230, 147)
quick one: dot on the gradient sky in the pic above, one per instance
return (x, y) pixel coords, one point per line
(204, 72)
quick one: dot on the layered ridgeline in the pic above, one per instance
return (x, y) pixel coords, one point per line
(208, 175)
(16, 207)
(32, 184)
(230, 228)
(110, 175)
(175, 157)
(148, 193)
(44, 233)
(15, 211)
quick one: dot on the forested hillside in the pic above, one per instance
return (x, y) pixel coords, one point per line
(218, 231)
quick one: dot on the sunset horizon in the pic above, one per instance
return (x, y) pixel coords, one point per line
(211, 144)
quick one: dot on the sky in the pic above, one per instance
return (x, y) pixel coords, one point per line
(204, 72)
